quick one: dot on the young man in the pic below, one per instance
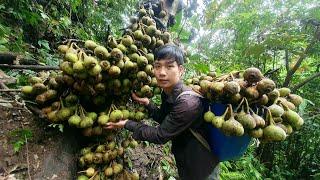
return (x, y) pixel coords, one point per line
(176, 116)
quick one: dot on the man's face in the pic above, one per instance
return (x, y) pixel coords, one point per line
(168, 73)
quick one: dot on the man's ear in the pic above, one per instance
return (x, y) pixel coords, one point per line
(181, 70)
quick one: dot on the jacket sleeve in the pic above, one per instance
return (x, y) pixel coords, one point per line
(178, 120)
(156, 113)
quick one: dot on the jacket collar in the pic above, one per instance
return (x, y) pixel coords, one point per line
(177, 89)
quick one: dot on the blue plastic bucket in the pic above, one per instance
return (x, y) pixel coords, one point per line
(225, 147)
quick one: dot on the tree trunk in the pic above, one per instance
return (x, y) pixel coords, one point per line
(302, 57)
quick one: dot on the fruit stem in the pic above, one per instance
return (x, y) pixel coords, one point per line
(247, 106)
(61, 103)
(251, 111)
(139, 50)
(269, 118)
(109, 111)
(231, 75)
(132, 36)
(225, 112)
(239, 104)
(81, 171)
(144, 32)
(71, 45)
(230, 110)
(144, 25)
(95, 173)
(81, 112)
(76, 113)
(76, 46)
(139, 53)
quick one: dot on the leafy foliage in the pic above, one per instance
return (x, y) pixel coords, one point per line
(19, 138)
(28, 23)
(247, 167)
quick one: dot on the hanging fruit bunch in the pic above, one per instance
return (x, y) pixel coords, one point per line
(262, 111)
(95, 80)
(94, 87)
(107, 160)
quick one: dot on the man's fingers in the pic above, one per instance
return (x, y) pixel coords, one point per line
(135, 97)
(107, 127)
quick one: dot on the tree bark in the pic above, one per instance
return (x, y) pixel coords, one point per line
(291, 72)
(299, 85)
(10, 90)
(31, 67)
(287, 60)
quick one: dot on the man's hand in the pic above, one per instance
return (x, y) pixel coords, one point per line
(116, 125)
(143, 101)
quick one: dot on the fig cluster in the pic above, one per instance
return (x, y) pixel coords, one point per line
(96, 79)
(106, 160)
(260, 109)
(94, 87)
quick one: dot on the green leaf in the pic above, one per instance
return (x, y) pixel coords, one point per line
(3, 48)
(178, 18)
(17, 146)
(65, 21)
(3, 40)
(59, 126)
(204, 68)
(44, 44)
(44, 15)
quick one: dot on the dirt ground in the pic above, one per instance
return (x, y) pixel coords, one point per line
(37, 153)
(50, 154)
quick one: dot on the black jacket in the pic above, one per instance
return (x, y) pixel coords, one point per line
(193, 160)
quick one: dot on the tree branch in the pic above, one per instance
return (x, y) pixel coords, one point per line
(31, 67)
(270, 72)
(301, 58)
(318, 68)
(10, 90)
(299, 85)
(287, 60)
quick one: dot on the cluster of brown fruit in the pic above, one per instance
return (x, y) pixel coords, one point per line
(62, 106)
(262, 110)
(94, 87)
(95, 77)
(105, 161)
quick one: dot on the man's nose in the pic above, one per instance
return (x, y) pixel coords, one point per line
(162, 71)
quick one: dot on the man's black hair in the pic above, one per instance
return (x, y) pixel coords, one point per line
(170, 51)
